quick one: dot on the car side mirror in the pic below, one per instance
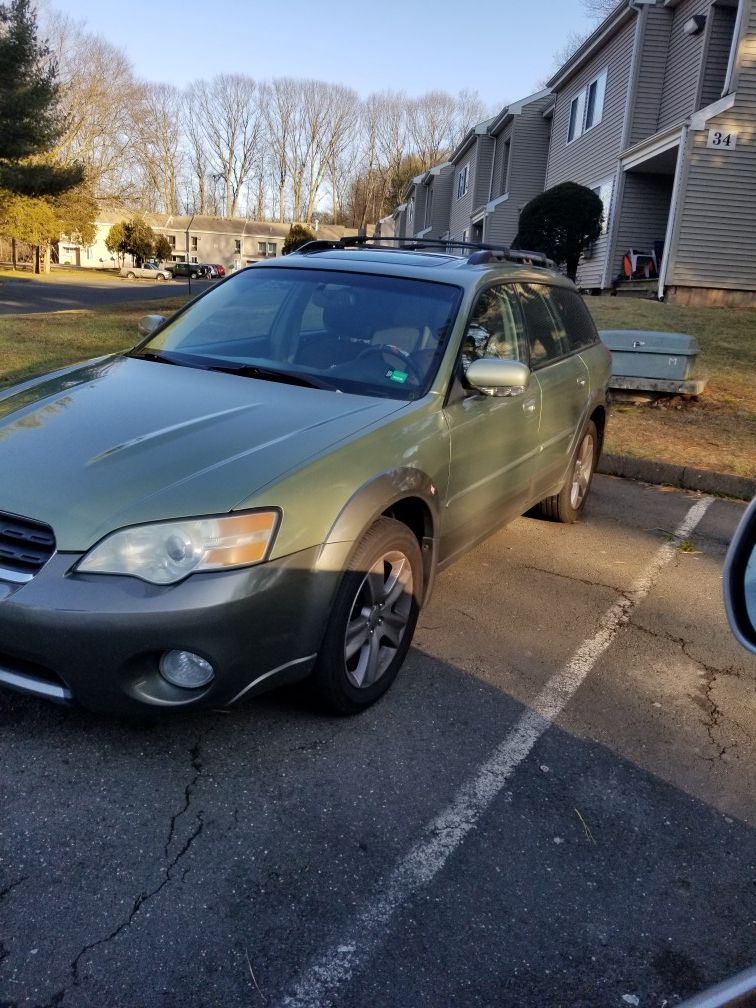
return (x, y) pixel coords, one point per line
(739, 580)
(495, 376)
(149, 323)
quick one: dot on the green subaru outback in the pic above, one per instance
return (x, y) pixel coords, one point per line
(264, 488)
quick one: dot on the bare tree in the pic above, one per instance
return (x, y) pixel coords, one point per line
(597, 10)
(98, 95)
(227, 120)
(158, 143)
(279, 102)
(430, 119)
(196, 157)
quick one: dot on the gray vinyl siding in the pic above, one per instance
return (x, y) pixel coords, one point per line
(720, 27)
(484, 148)
(442, 195)
(531, 137)
(593, 155)
(420, 194)
(642, 216)
(716, 240)
(499, 179)
(529, 149)
(684, 60)
(593, 158)
(656, 25)
(461, 209)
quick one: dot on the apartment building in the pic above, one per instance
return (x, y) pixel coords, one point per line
(656, 112)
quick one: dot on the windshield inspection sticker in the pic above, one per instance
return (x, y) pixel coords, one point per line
(398, 376)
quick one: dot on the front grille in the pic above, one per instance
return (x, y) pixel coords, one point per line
(24, 546)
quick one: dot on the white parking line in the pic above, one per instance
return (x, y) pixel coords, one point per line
(319, 985)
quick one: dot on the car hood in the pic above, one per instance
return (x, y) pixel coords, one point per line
(121, 440)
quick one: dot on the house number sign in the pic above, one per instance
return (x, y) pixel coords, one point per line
(721, 140)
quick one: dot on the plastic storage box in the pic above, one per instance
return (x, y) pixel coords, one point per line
(638, 353)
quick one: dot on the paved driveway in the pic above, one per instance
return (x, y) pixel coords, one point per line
(26, 296)
(553, 806)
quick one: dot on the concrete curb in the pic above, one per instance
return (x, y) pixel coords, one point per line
(684, 477)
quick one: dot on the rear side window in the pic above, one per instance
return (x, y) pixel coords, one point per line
(546, 332)
(579, 326)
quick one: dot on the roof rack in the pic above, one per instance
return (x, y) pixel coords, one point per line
(483, 251)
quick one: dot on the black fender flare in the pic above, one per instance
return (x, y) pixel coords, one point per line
(380, 494)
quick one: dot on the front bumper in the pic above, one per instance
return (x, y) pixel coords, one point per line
(97, 639)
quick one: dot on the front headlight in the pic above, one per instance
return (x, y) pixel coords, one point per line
(169, 551)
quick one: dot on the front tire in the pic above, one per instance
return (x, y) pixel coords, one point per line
(569, 502)
(131, 276)
(372, 621)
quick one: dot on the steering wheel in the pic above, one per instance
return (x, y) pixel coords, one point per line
(389, 350)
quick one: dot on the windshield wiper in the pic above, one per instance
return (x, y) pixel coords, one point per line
(154, 355)
(272, 374)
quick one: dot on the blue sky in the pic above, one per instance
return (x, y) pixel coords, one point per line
(500, 48)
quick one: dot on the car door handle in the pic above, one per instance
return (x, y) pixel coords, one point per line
(581, 381)
(529, 406)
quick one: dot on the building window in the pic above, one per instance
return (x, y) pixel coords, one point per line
(604, 193)
(463, 181)
(577, 111)
(587, 107)
(594, 107)
(410, 213)
(237, 245)
(194, 244)
(260, 248)
(271, 248)
(172, 241)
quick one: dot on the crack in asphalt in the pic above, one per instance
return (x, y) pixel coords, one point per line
(145, 897)
(579, 580)
(14, 885)
(710, 675)
(194, 753)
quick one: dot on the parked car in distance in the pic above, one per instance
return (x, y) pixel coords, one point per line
(265, 487)
(214, 270)
(149, 270)
(192, 270)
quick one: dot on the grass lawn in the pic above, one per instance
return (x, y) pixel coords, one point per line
(718, 431)
(30, 344)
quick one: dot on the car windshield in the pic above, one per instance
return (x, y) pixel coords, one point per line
(353, 332)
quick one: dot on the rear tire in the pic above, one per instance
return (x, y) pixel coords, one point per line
(131, 276)
(566, 506)
(372, 621)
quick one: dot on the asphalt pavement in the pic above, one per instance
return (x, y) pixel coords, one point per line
(27, 296)
(553, 806)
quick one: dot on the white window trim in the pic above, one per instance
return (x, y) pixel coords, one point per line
(582, 99)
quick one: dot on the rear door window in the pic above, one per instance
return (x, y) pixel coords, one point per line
(546, 331)
(579, 326)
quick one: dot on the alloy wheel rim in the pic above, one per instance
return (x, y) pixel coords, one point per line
(582, 472)
(378, 619)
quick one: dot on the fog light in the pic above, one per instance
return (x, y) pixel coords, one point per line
(182, 668)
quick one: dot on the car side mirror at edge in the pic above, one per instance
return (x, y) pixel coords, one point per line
(495, 376)
(149, 323)
(739, 581)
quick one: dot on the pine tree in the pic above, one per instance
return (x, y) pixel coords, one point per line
(30, 117)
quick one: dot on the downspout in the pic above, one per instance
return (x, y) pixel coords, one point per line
(618, 186)
(674, 209)
(188, 227)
